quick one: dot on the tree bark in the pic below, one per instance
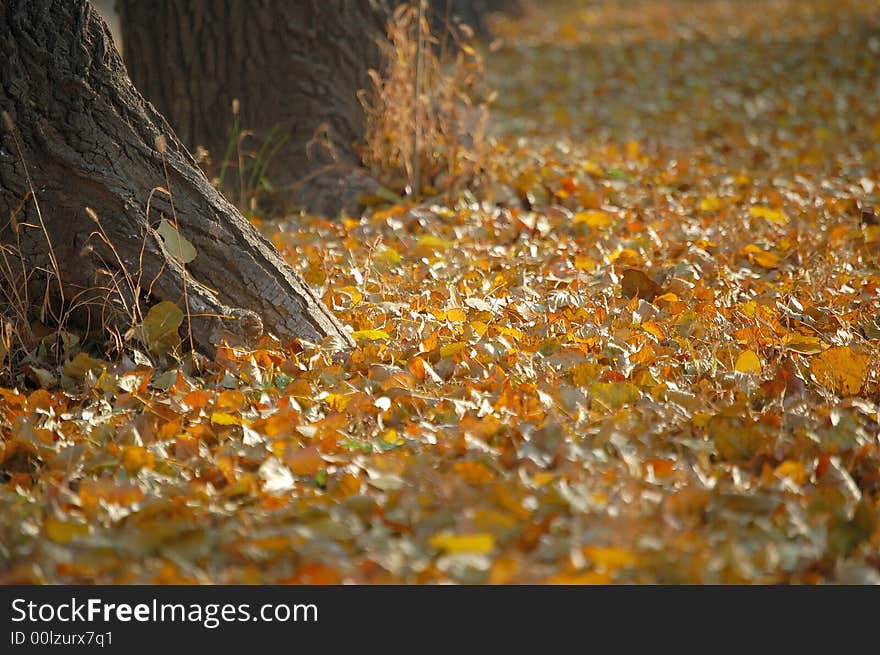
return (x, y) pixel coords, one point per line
(76, 134)
(295, 68)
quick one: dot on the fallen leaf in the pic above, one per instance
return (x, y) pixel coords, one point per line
(370, 335)
(62, 531)
(748, 363)
(736, 439)
(772, 215)
(635, 282)
(159, 329)
(176, 245)
(482, 542)
(840, 369)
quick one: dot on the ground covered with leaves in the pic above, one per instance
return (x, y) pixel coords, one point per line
(646, 353)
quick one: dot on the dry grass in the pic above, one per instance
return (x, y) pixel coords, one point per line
(425, 120)
(34, 335)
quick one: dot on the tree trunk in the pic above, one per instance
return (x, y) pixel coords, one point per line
(76, 134)
(447, 14)
(294, 66)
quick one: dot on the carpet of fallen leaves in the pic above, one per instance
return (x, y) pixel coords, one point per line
(649, 354)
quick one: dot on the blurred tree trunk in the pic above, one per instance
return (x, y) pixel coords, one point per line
(295, 68)
(79, 143)
(447, 13)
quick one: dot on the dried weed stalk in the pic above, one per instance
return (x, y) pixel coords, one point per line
(425, 119)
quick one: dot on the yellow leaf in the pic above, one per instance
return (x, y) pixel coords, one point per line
(480, 542)
(543, 478)
(584, 374)
(244, 486)
(392, 437)
(626, 257)
(804, 344)
(388, 258)
(840, 369)
(456, 315)
(871, 233)
(615, 395)
(63, 532)
(700, 419)
(511, 332)
(652, 328)
(338, 401)
(764, 258)
(231, 400)
(356, 296)
(370, 335)
(711, 204)
(82, 364)
(666, 297)
(748, 363)
(159, 329)
(479, 327)
(593, 218)
(592, 168)
(452, 349)
(585, 263)
(772, 215)
(735, 438)
(433, 243)
(793, 470)
(222, 418)
(610, 558)
(134, 458)
(175, 243)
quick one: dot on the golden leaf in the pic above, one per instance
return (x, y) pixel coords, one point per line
(355, 295)
(711, 204)
(804, 344)
(793, 470)
(452, 349)
(736, 439)
(609, 558)
(480, 542)
(134, 458)
(431, 242)
(615, 395)
(456, 315)
(593, 218)
(222, 418)
(63, 532)
(763, 258)
(840, 369)
(772, 215)
(370, 335)
(748, 363)
(388, 258)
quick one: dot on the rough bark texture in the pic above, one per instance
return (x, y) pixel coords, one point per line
(88, 139)
(295, 67)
